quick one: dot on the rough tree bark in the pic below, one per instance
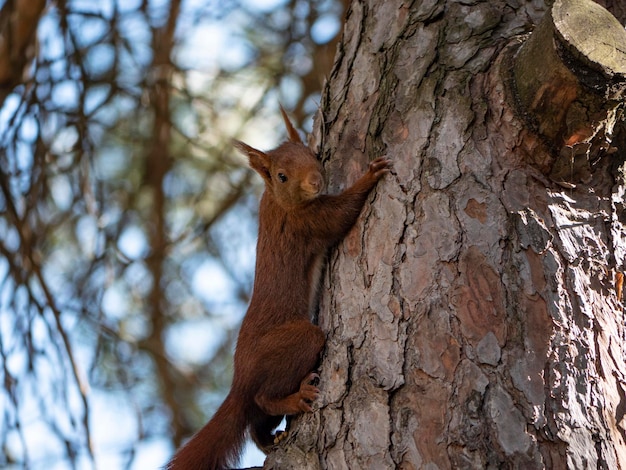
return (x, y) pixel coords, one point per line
(475, 316)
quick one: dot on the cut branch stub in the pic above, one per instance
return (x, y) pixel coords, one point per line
(570, 80)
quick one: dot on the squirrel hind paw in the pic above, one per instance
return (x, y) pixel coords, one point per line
(279, 437)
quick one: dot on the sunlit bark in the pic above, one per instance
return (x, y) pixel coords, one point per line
(475, 317)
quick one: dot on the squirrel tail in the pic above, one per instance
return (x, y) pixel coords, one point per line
(218, 444)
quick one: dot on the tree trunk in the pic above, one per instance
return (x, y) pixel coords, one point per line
(475, 316)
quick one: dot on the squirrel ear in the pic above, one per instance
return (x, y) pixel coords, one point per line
(259, 161)
(293, 133)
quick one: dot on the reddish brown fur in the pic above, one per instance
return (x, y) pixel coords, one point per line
(278, 347)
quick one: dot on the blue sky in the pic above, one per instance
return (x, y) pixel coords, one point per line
(114, 417)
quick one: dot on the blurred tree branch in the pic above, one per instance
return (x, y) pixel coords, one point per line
(18, 24)
(158, 164)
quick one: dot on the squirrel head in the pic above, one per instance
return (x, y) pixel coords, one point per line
(291, 172)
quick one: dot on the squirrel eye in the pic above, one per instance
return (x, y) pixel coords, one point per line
(282, 177)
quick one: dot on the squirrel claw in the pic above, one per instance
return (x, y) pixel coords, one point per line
(309, 379)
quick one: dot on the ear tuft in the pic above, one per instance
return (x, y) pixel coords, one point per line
(259, 161)
(293, 133)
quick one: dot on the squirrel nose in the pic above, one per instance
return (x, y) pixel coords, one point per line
(315, 182)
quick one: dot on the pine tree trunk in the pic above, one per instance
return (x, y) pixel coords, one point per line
(475, 316)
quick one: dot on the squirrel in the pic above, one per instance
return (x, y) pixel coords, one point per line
(278, 347)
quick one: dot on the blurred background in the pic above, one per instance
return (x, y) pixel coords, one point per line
(127, 220)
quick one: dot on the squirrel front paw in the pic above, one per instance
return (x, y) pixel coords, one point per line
(379, 167)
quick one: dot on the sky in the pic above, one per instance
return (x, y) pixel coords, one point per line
(208, 47)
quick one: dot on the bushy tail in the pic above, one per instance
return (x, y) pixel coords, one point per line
(218, 444)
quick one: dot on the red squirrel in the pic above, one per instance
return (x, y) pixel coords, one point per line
(278, 347)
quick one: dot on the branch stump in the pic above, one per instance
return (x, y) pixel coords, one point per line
(570, 82)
